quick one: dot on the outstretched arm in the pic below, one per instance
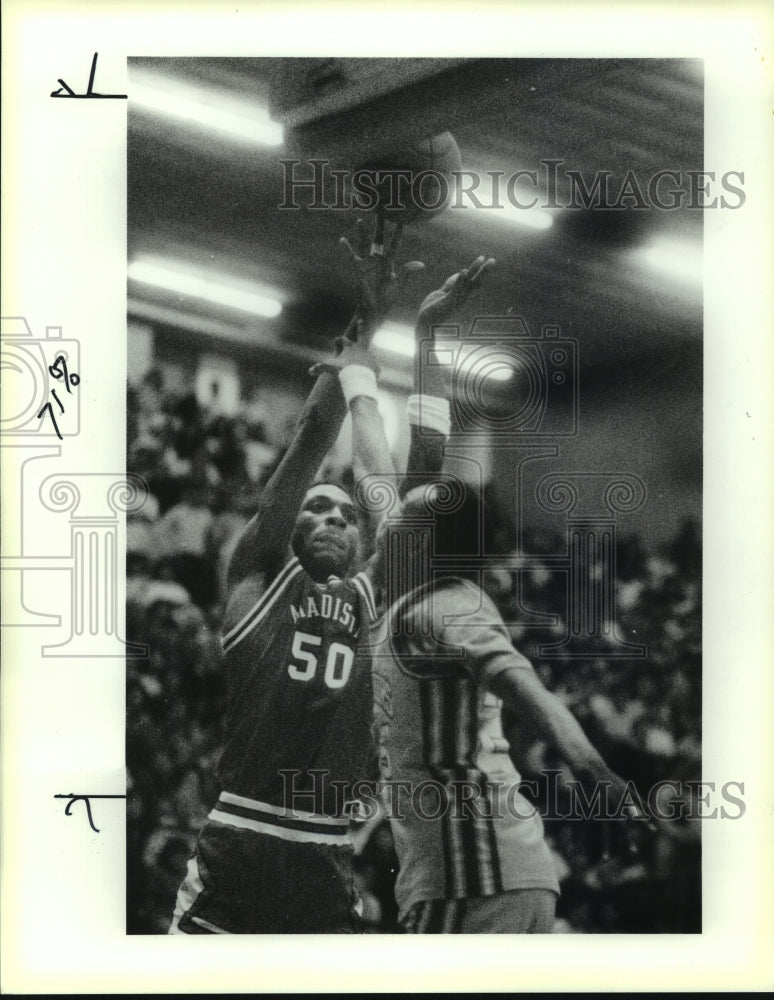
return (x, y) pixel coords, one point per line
(263, 545)
(428, 406)
(357, 367)
(357, 370)
(492, 658)
(546, 717)
(549, 719)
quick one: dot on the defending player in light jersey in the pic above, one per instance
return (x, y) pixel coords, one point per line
(470, 848)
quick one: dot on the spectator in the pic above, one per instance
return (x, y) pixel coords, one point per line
(179, 540)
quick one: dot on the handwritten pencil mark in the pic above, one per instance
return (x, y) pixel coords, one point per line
(86, 800)
(59, 371)
(90, 92)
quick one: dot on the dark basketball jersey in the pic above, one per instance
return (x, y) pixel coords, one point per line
(300, 697)
(275, 855)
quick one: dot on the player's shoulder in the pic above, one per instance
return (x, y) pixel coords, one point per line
(253, 597)
(463, 612)
(422, 638)
(362, 585)
(428, 608)
(453, 596)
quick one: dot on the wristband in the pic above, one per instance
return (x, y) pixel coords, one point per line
(357, 380)
(432, 412)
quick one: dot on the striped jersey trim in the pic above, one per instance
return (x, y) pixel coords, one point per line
(262, 606)
(449, 710)
(280, 812)
(188, 895)
(298, 836)
(287, 824)
(470, 853)
(435, 916)
(363, 584)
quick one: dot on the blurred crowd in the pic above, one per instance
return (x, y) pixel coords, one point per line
(205, 472)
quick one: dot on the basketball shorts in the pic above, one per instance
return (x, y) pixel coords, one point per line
(243, 882)
(520, 911)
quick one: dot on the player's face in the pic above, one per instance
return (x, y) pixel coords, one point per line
(326, 536)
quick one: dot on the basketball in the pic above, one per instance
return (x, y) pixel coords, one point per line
(412, 184)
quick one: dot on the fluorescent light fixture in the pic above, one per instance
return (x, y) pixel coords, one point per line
(679, 259)
(508, 214)
(204, 109)
(398, 338)
(210, 286)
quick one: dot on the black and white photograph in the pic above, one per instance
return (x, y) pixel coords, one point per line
(545, 777)
(386, 456)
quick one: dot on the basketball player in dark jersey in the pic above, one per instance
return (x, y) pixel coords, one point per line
(274, 854)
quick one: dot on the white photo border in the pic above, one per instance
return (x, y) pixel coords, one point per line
(64, 264)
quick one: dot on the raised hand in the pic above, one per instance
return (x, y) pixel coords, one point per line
(441, 305)
(373, 264)
(350, 349)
